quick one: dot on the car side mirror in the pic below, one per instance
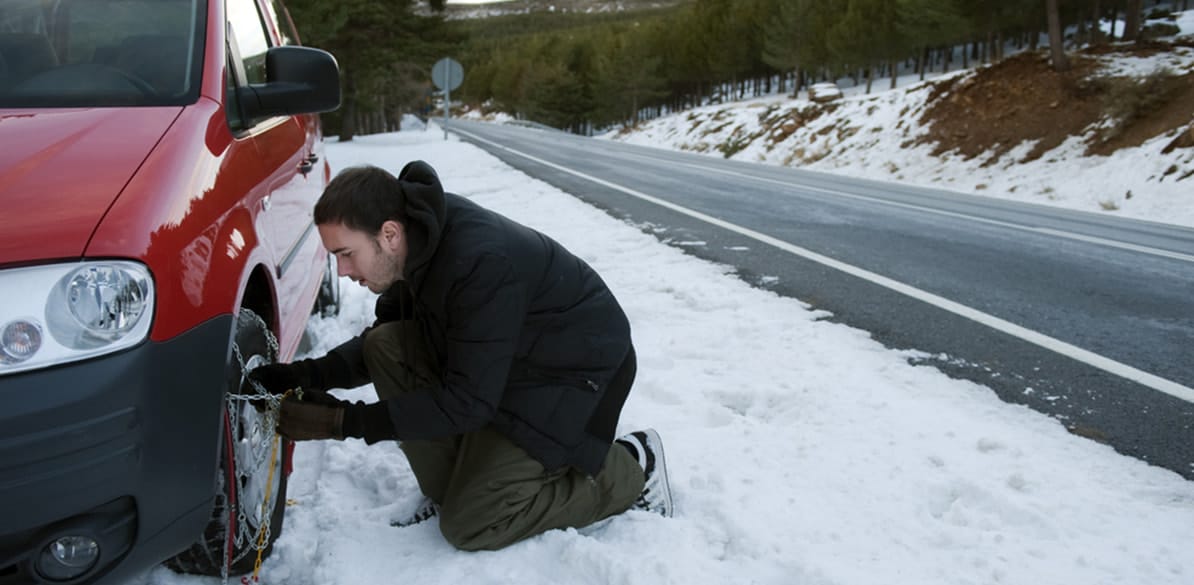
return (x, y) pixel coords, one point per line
(299, 80)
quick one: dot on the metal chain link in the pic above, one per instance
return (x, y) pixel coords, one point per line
(257, 442)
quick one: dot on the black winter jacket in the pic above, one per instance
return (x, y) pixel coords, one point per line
(528, 336)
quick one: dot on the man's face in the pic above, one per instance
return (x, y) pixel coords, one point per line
(373, 261)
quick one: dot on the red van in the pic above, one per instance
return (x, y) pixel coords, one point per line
(159, 161)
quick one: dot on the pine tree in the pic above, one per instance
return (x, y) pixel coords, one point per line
(782, 35)
(631, 78)
(869, 35)
(383, 49)
(930, 23)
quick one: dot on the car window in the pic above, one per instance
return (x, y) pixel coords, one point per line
(251, 38)
(95, 53)
(279, 15)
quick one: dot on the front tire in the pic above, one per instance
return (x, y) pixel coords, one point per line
(243, 474)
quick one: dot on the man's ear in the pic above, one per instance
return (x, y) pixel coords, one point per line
(392, 234)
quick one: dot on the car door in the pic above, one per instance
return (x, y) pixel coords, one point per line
(289, 171)
(296, 192)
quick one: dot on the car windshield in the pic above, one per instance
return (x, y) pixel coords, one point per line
(95, 53)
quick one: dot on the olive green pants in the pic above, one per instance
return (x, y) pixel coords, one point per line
(490, 491)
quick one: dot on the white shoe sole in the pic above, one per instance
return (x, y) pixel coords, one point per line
(660, 476)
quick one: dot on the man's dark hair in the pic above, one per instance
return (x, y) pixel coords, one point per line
(362, 198)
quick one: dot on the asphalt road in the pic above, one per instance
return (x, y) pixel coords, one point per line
(1086, 317)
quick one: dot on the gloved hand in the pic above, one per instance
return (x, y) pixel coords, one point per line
(318, 416)
(278, 378)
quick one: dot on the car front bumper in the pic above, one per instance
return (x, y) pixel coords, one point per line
(121, 447)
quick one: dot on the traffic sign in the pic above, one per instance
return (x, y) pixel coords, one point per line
(447, 74)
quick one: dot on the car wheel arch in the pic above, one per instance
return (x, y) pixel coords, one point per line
(260, 296)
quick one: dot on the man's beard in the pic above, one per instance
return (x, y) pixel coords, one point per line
(391, 266)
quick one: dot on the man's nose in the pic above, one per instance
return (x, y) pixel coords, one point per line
(342, 268)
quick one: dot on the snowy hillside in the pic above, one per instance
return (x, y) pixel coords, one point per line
(885, 136)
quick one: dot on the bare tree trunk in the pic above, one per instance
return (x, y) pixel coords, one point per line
(1098, 24)
(895, 72)
(379, 125)
(1132, 20)
(1056, 46)
(348, 109)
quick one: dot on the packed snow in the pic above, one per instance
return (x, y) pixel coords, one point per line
(872, 136)
(800, 451)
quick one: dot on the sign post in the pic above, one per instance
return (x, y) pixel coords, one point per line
(447, 74)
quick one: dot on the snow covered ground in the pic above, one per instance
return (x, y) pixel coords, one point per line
(800, 451)
(866, 138)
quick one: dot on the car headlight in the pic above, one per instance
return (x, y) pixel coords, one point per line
(62, 313)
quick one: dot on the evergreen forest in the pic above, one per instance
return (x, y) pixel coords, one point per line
(582, 72)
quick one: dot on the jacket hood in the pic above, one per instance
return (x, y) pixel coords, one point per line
(426, 216)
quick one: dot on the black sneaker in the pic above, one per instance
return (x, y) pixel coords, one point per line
(647, 449)
(426, 511)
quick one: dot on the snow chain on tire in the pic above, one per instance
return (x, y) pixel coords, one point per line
(264, 453)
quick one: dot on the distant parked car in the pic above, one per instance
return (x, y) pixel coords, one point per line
(159, 160)
(824, 92)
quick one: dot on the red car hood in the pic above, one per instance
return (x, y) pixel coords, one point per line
(60, 171)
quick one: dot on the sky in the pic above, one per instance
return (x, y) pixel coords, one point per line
(800, 451)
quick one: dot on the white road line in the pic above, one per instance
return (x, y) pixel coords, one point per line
(1040, 230)
(1052, 344)
(958, 215)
